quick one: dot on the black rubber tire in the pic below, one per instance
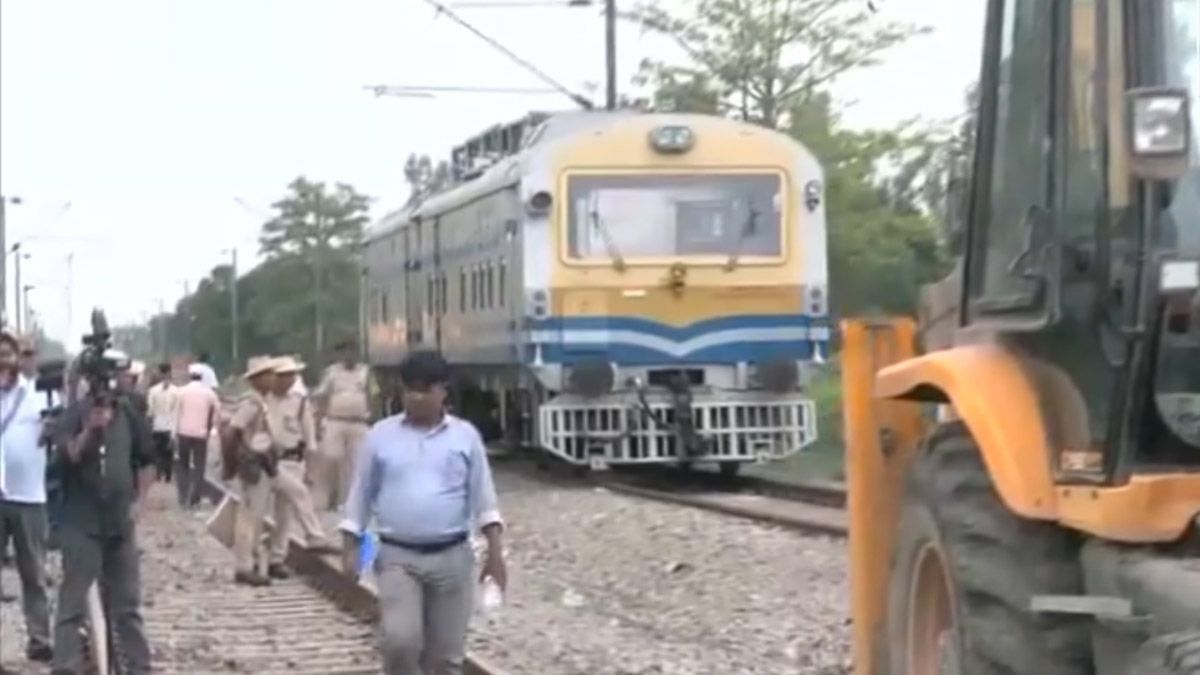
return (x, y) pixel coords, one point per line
(996, 561)
(1174, 654)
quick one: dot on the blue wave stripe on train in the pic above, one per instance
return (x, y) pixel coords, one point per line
(635, 340)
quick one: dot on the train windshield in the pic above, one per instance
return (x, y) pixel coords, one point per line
(671, 216)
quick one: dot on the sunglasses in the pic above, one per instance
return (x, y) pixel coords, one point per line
(28, 352)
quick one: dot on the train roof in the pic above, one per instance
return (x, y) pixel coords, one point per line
(507, 170)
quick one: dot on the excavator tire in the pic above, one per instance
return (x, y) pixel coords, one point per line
(991, 564)
(1173, 654)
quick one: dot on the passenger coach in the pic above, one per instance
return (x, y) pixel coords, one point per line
(616, 288)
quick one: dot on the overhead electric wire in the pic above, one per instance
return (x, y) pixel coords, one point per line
(417, 90)
(558, 86)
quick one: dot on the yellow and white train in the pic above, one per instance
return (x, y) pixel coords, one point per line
(616, 287)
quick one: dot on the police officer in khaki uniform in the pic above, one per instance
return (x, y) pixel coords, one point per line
(293, 432)
(343, 397)
(246, 458)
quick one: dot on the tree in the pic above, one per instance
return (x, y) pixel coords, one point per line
(758, 58)
(424, 177)
(317, 229)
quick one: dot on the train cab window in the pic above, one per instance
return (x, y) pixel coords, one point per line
(654, 216)
(502, 281)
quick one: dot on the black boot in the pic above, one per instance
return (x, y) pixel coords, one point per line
(278, 571)
(251, 579)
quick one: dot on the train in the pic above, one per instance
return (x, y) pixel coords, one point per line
(615, 288)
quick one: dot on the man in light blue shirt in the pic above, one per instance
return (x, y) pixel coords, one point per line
(423, 477)
(23, 494)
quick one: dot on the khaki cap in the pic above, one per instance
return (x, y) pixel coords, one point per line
(286, 365)
(259, 365)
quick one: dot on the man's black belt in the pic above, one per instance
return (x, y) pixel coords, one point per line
(296, 453)
(424, 547)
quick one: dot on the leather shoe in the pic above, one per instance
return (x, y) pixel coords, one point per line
(278, 571)
(251, 579)
(39, 653)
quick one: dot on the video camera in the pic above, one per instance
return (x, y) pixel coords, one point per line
(99, 363)
(51, 378)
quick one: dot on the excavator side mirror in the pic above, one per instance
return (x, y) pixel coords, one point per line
(1159, 134)
(957, 185)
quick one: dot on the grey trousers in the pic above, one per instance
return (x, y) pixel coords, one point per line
(189, 475)
(425, 607)
(114, 562)
(25, 525)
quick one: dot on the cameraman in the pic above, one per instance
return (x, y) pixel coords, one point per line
(107, 460)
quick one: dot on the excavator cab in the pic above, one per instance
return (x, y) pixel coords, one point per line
(1024, 458)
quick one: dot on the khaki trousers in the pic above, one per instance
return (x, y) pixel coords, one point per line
(293, 507)
(248, 523)
(332, 466)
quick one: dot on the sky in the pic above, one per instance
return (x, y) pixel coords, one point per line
(148, 138)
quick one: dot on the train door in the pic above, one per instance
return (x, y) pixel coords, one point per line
(436, 279)
(412, 298)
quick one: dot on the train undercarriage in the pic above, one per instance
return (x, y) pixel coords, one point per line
(636, 425)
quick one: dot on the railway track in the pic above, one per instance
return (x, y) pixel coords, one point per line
(322, 573)
(814, 508)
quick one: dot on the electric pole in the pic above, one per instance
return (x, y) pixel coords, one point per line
(16, 251)
(26, 313)
(235, 326)
(4, 202)
(610, 53)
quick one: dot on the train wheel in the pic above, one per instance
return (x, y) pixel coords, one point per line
(965, 569)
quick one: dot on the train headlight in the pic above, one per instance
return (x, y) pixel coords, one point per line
(1160, 131)
(539, 203)
(672, 139)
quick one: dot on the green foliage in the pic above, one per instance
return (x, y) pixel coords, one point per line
(288, 304)
(771, 62)
(757, 58)
(424, 177)
(313, 219)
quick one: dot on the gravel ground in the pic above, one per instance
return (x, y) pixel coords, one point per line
(604, 584)
(199, 622)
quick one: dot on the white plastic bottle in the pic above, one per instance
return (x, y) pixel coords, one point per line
(490, 596)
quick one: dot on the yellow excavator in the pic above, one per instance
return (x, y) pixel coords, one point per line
(1024, 457)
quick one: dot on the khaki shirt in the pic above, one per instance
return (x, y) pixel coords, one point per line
(345, 392)
(252, 420)
(292, 420)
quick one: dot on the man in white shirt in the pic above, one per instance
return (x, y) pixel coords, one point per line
(208, 376)
(23, 494)
(162, 401)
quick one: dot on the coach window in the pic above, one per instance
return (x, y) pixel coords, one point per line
(383, 307)
(462, 290)
(502, 274)
(489, 292)
(474, 287)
